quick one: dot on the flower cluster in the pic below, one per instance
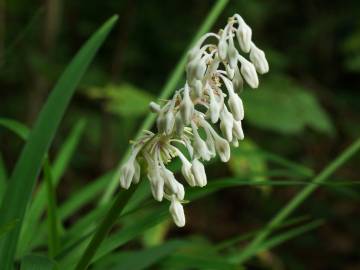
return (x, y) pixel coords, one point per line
(185, 123)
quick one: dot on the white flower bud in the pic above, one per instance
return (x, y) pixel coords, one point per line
(137, 172)
(214, 107)
(154, 107)
(169, 121)
(198, 171)
(179, 124)
(200, 69)
(235, 142)
(222, 148)
(236, 106)
(237, 81)
(249, 72)
(177, 212)
(243, 35)
(172, 184)
(226, 124)
(230, 71)
(232, 54)
(222, 49)
(160, 122)
(196, 85)
(127, 173)
(186, 172)
(258, 58)
(186, 106)
(156, 183)
(200, 148)
(238, 130)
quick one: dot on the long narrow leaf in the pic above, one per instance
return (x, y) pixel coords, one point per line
(299, 198)
(37, 207)
(37, 262)
(18, 128)
(52, 216)
(29, 163)
(3, 176)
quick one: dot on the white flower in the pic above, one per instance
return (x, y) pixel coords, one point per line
(243, 35)
(232, 54)
(237, 80)
(222, 47)
(197, 87)
(198, 171)
(226, 124)
(213, 78)
(187, 173)
(186, 106)
(200, 148)
(154, 107)
(249, 72)
(179, 124)
(156, 183)
(236, 106)
(258, 58)
(177, 212)
(238, 130)
(127, 174)
(214, 107)
(223, 149)
(137, 172)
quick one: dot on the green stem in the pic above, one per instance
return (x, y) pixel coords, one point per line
(167, 90)
(297, 200)
(104, 227)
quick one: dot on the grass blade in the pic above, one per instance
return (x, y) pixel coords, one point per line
(3, 176)
(29, 163)
(53, 219)
(37, 262)
(168, 89)
(37, 207)
(139, 260)
(18, 128)
(298, 199)
(104, 227)
(282, 238)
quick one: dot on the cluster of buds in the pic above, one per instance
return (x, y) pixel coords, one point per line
(185, 123)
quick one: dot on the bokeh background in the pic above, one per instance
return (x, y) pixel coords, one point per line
(307, 109)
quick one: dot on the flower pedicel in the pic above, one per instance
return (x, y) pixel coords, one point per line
(215, 75)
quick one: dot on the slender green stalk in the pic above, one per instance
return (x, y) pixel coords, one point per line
(104, 227)
(297, 200)
(53, 220)
(167, 90)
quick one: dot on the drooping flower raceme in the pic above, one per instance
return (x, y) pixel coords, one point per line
(187, 123)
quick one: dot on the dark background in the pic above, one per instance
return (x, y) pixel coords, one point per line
(307, 109)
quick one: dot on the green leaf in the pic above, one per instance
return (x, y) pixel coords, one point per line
(52, 213)
(37, 207)
(297, 200)
(266, 108)
(281, 238)
(37, 262)
(29, 163)
(3, 177)
(124, 100)
(18, 128)
(7, 227)
(243, 164)
(139, 260)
